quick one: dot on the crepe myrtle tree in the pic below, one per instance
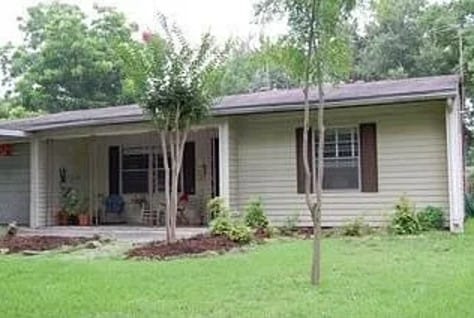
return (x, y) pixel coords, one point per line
(316, 30)
(174, 80)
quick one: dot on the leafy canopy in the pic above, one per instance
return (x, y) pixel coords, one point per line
(173, 79)
(67, 60)
(331, 40)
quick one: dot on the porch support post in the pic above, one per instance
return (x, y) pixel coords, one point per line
(224, 161)
(455, 165)
(37, 183)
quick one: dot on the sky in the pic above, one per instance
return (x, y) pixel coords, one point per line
(223, 18)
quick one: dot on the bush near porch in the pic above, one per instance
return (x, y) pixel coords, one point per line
(376, 276)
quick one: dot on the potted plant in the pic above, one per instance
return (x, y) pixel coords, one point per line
(84, 218)
(63, 214)
(71, 205)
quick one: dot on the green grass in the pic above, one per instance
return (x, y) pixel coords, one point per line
(427, 276)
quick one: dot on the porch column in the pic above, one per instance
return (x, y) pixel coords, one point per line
(37, 183)
(455, 165)
(224, 161)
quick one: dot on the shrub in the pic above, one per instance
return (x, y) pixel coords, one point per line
(355, 228)
(405, 220)
(233, 230)
(431, 218)
(240, 233)
(255, 215)
(221, 225)
(290, 225)
(469, 205)
(216, 208)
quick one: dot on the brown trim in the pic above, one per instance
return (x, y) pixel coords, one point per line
(300, 175)
(114, 169)
(189, 168)
(368, 157)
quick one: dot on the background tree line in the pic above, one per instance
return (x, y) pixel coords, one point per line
(68, 60)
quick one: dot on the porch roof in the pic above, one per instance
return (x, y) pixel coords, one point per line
(344, 95)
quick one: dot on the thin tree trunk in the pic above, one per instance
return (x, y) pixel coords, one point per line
(314, 205)
(174, 186)
(316, 271)
(166, 163)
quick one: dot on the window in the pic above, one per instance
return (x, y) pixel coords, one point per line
(341, 158)
(138, 172)
(134, 171)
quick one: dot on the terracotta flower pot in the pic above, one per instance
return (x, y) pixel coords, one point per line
(84, 220)
(62, 218)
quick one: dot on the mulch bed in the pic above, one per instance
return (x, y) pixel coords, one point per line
(18, 244)
(195, 245)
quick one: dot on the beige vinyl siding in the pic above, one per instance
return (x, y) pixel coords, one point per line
(233, 165)
(411, 145)
(15, 185)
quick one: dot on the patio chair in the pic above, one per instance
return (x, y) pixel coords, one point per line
(114, 206)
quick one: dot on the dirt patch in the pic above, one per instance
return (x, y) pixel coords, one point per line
(195, 245)
(18, 244)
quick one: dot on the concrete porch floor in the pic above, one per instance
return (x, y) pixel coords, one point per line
(133, 234)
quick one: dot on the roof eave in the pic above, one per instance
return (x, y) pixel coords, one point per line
(13, 133)
(252, 109)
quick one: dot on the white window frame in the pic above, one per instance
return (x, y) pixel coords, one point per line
(315, 150)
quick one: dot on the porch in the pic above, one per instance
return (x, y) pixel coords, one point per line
(130, 234)
(123, 162)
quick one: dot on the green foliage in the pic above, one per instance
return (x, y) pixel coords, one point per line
(172, 77)
(356, 227)
(216, 208)
(255, 216)
(268, 65)
(405, 220)
(409, 38)
(67, 60)
(70, 201)
(240, 233)
(221, 225)
(231, 228)
(331, 59)
(431, 218)
(290, 226)
(11, 109)
(469, 204)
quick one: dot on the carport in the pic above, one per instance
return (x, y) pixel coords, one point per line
(14, 177)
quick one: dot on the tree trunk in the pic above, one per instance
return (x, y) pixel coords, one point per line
(164, 149)
(173, 143)
(316, 275)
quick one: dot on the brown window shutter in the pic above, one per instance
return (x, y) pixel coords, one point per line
(368, 157)
(299, 158)
(114, 169)
(189, 168)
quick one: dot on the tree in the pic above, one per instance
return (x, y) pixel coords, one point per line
(409, 38)
(10, 108)
(251, 68)
(315, 26)
(67, 59)
(174, 82)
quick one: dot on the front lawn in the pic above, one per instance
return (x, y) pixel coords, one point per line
(427, 276)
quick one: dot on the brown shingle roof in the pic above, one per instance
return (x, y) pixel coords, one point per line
(389, 91)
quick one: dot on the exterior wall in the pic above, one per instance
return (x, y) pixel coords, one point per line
(15, 185)
(411, 145)
(233, 140)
